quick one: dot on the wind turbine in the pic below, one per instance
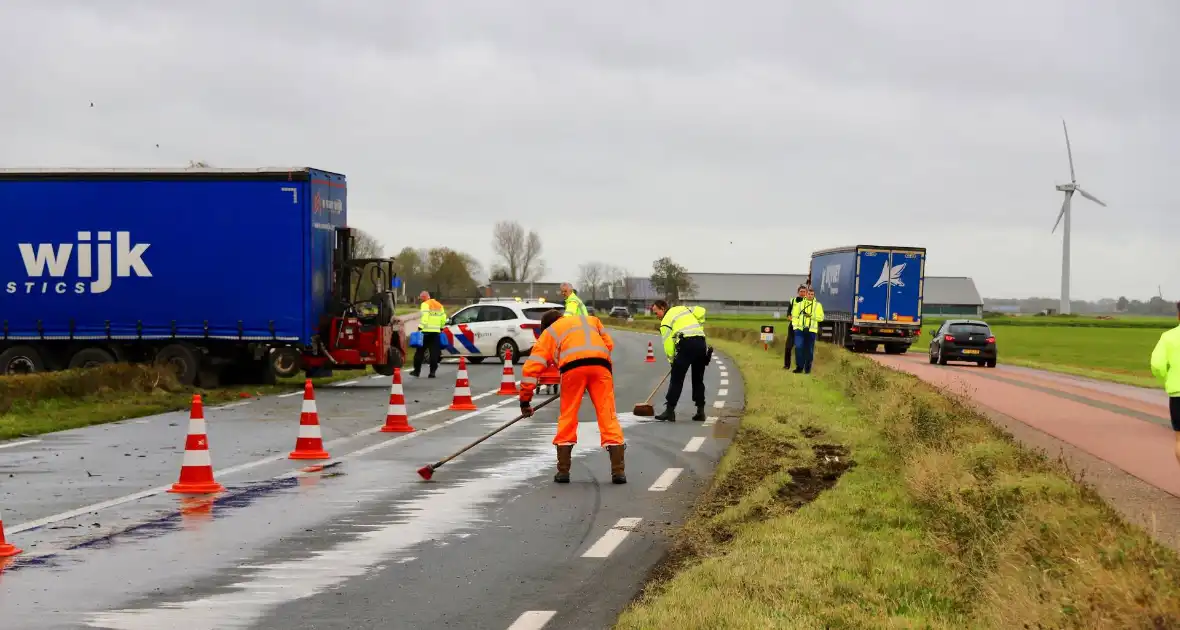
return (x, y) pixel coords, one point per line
(1069, 189)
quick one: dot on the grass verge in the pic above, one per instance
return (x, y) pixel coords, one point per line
(860, 497)
(55, 401)
(1117, 353)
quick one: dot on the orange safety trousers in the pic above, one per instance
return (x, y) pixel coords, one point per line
(601, 384)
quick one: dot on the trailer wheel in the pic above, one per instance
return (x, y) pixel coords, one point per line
(185, 361)
(21, 360)
(286, 362)
(90, 357)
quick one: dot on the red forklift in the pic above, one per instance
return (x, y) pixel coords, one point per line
(361, 328)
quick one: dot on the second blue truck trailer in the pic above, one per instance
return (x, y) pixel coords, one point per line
(871, 294)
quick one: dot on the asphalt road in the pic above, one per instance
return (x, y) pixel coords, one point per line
(490, 542)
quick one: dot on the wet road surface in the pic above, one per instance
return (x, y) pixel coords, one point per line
(1126, 426)
(364, 543)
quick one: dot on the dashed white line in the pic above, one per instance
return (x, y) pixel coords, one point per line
(694, 445)
(232, 405)
(612, 538)
(378, 377)
(722, 392)
(532, 620)
(725, 381)
(717, 404)
(289, 395)
(665, 480)
(344, 384)
(18, 443)
(710, 421)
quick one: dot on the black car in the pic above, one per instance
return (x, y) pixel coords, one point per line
(964, 340)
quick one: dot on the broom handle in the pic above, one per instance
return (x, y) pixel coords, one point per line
(502, 427)
(653, 392)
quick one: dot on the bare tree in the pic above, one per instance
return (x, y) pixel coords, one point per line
(590, 278)
(366, 245)
(616, 278)
(519, 254)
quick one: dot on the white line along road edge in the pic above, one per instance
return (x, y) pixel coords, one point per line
(103, 505)
(694, 445)
(612, 538)
(18, 443)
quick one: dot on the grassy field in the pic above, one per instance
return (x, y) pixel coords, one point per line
(55, 401)
(862, 498)
(1117, 350)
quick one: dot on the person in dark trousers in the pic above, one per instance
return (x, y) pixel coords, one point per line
(683, 333)
(806, 316)
(789, 339)
(433, 317)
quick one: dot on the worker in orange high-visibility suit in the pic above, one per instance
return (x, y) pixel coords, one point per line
(581, 349)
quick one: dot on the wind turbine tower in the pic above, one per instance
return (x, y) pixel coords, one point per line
(1069, 189)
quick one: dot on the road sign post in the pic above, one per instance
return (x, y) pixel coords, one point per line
(767, 337)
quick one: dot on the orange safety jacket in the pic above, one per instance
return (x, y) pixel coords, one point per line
(570, 342)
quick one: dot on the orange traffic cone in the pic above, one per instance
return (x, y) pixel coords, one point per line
(6, 549)
(651, 354)
(462, 399)
(508, 380)
(396, 420)
(196, 471)
(310, 443)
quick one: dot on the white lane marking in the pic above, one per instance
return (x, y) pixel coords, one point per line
(717, 404)
(722, 392)
(143, 494)
(665, 480)
(378, 377)
(289, 395)
(433, 514)
(612, 538)
(18, 443)
(694, 445)
(532, 620)
(724, 374)
(344, 384)
(710, 421)
(725, 381)
(232, 405)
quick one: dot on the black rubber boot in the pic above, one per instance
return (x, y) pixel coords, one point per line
(618, 472)
(700, 414)
(668, 415)
(564, 455)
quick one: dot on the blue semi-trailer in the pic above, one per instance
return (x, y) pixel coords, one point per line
(225, 274)
(871, 295)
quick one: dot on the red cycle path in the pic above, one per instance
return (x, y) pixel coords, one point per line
(1069, 411)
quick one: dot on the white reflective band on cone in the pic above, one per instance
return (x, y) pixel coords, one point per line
(197, 458)
(308, 406)
(196, 426)
(309, 431)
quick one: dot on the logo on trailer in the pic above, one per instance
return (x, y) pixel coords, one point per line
(319, 204)
(890, 276)
(95, 264)
(829, 280)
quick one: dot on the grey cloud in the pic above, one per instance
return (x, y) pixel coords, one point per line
(814, 124)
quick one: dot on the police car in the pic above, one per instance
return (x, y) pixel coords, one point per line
(494, 326)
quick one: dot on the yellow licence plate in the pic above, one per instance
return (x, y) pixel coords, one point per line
(970, 352)
(888, 330)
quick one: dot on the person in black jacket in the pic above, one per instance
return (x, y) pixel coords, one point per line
(789, 341)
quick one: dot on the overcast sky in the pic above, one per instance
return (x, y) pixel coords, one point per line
(733, 137)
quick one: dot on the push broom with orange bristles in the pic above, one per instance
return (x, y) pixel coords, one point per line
(427, 471)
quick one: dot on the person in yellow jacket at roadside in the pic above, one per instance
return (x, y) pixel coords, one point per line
(806, 314)
(683, 332)
(1165, 365)
(573, 304)
(433, 317)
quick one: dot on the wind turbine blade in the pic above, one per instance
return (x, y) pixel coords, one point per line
(1064, 207)
(1069, 151)
(1090, 197)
